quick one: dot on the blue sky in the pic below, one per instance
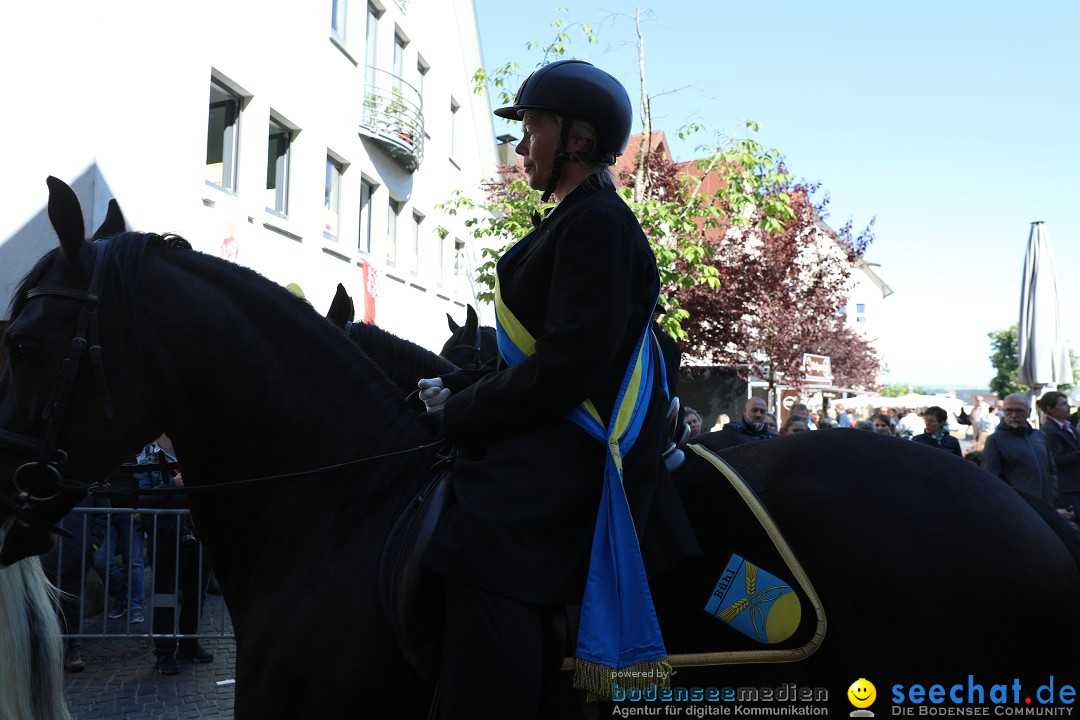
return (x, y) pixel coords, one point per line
(953, 123)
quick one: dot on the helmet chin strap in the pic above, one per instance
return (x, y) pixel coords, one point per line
(560, 158)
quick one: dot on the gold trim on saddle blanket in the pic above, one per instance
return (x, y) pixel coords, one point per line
(738, 657)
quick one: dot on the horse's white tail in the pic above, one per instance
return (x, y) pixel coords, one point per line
(31, 650)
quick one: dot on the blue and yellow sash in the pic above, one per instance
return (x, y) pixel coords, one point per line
(619, 640)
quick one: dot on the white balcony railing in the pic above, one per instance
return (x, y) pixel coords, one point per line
(393, 116)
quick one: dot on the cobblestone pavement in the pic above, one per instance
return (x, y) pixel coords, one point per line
(120, 681)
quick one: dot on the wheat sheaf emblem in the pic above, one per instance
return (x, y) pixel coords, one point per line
(753, 600)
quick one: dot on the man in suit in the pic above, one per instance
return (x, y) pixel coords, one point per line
(1064, 446)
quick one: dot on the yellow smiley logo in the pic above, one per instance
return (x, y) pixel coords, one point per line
(862, 693)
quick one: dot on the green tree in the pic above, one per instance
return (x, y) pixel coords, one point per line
(1004, 353)
(896, 390)
(674, 222)
(1005, 359)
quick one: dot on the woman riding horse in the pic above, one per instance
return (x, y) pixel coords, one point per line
(540, 437)
(928, 567)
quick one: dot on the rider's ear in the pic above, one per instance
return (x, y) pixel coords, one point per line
(65, 214)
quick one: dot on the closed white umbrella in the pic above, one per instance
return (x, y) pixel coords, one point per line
(1044, 353)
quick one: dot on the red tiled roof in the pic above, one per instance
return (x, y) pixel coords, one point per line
(627, 162)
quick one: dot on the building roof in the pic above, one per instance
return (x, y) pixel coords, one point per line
(627, 162)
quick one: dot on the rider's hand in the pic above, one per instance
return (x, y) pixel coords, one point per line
(433, 394)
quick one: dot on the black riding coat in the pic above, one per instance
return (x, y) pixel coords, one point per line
(527, 482)
(1066, 451)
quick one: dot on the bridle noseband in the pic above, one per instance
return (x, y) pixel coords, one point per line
(41, 481)
(477, 362)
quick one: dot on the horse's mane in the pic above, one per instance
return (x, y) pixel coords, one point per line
(123, 254)
(404, 361)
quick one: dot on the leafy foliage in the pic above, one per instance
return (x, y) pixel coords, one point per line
(1005, 359)
(898, 390)
(781, 293)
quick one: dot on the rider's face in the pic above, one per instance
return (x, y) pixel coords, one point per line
(540, 138)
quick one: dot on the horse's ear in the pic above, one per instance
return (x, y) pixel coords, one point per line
(341, 309)
(65, 214)
(454, 327)
(113, 224)
(471, 320)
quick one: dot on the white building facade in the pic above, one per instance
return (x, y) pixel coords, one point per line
(310, 141)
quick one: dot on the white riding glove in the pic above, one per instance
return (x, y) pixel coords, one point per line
(433, 394)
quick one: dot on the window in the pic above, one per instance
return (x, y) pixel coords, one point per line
(454, 107)
(222, 137)
(421, 73)
(391, 231)
(440, 260)
(332, 203)
(860, 312)
(418, 219)
(277, 169)
(337, 18)
(366, 189)
(372, 35)
(441, 270)
(459, 267)
(399, 58)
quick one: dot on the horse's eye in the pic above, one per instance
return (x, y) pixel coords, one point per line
(24, 349)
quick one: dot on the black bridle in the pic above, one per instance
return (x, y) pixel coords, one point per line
(477, 362)
(40, 482)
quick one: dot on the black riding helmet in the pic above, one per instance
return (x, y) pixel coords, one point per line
(576, 90)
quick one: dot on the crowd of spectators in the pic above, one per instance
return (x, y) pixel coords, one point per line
(1038, 456)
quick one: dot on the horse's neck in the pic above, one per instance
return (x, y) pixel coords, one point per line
(404, 362)
(261, 384)
(254, 386)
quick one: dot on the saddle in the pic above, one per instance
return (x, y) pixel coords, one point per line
(412, 595)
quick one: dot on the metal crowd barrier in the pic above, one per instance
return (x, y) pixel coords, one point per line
(92, 592)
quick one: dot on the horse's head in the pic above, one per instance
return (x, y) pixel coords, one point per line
(56, 406)
(470, 346)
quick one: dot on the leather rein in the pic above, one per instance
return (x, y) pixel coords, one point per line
(41, 481)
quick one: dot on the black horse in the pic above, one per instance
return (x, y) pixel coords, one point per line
(928, 568)
(403, 361)
(471, 345)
